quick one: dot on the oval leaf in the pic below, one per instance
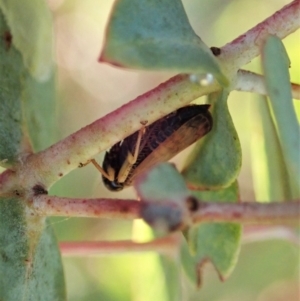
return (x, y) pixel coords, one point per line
(216, 160)
(156, 35)
(30, 261)
(215, 242)
(164, 194)
(11, 68)
(31, 26)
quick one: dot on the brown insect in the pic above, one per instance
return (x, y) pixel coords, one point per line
(158, 142)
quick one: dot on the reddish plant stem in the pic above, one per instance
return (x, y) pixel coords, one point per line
(244, 48)
(244, 213)
(248, 213)
(105, 208)
(167, 245)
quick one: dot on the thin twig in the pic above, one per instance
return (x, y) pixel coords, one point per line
(167, 245)
(244, 213)
(248, 213)
(104, 208)
(244, 48)
(252, 82)
(262, 233)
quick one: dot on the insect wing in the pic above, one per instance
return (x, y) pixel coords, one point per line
(186, 135)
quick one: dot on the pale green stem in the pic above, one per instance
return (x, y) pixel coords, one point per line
(168, 245)
(248, 81)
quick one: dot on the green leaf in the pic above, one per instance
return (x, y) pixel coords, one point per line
(269, 170)
(161, 183)
(30, 22)
(25, 103)
(11, 67)
(156, 35)
(215, 242)
(39, 107)
(164, 194)
(30, 262)
(276, 64)
(215, 161)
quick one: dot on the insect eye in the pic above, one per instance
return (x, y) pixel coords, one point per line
(112, 185)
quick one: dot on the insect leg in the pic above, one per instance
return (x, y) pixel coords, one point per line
(131, 158)
(110, 174)
(84, 164)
